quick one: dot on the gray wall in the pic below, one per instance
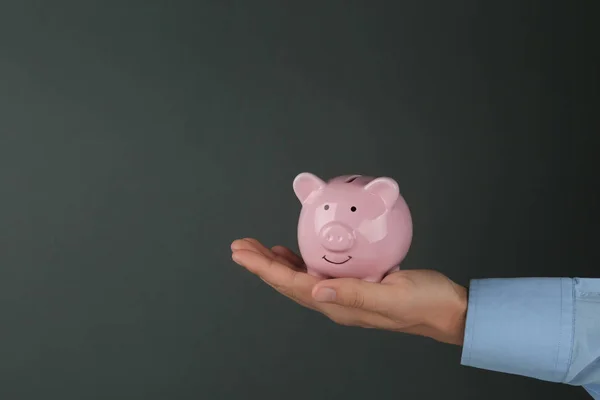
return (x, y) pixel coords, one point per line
(139, 138)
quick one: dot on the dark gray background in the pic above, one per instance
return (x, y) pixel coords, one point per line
(139, 138)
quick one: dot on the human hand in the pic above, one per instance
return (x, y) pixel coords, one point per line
(419, 302)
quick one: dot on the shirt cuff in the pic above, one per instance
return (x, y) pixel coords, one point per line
(593, 390)
(521, 326)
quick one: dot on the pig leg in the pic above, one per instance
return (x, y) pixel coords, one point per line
(316, 274)
(373, 279)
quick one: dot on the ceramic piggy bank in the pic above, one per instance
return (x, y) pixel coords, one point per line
(352, 226)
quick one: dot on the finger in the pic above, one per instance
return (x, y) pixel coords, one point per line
(254, 245)
(304, 303)
(355, 317)
(289, 255)
(355, 293)
(294, 284)
(251, 244)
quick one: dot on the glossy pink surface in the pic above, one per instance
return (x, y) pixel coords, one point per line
(352, 226)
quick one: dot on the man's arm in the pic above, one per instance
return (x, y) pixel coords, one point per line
(544, 328)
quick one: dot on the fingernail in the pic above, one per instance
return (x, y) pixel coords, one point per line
(235, 259)
(325, 295)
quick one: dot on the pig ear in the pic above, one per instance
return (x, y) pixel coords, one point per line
(305, 184)
(386, 189)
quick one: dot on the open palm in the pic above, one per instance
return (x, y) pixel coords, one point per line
(421, 302)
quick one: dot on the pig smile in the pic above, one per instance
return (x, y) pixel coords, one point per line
(337, 263)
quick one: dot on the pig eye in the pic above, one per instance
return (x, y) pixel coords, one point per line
(352, 208)
(326, 207)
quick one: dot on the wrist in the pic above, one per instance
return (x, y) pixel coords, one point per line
(449, 326)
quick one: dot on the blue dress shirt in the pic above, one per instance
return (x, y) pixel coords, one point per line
(544, 328)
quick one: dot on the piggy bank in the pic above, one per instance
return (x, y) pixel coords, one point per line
(352, 226)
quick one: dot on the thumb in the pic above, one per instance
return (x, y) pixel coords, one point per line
(353, 293)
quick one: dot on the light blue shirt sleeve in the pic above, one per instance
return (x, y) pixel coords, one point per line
(543, 328)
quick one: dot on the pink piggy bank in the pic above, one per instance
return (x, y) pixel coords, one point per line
(352, 226)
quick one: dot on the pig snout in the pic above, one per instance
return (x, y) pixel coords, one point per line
(336, 237)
